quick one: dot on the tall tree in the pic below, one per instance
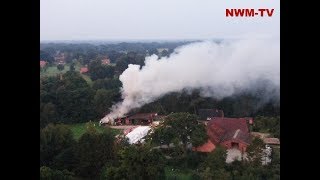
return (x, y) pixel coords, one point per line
(53, 140)
(102, 101)
(138, 162)
(255, 151)
(182, 127)
(94, 150)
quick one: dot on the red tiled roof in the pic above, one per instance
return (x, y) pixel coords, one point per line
(224, 129)
(84, 70)
(207, 147)
(105, 61)
(43, 63)
(271, 141)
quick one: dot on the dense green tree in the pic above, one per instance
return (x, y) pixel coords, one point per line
(107, 83)
(46, 173)
(99, 71)
(199, 136)
(138, 162)
(255, 151)
(267, 124)
(74, 98)
(54, 139)
(103, 100)
(45, 56)
(164, 53)
(47, 114)
(214, 165)
(94, 150)
(181, 127)
(66, 159)
(121, 65)
(216, 159)
(72, 67)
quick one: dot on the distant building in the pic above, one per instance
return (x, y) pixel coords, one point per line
(84, 70)
(232, 133)
(43, 64)
(59, 58)
(105, 61)
(141, 118)
(273, 142)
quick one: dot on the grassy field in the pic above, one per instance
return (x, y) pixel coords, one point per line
(80, 128)
(53, 71)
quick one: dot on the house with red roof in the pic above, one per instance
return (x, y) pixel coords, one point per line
(84, 70)
(43, 63)
(105, 61)
(227, 132)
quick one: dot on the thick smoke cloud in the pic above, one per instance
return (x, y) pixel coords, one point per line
(218, 69)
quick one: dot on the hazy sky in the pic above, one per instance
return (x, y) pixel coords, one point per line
(152, 19)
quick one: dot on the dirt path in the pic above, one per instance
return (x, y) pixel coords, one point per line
(123, 127)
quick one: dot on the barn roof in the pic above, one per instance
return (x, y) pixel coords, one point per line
(225, 129)
(144, 116)
(274, 141)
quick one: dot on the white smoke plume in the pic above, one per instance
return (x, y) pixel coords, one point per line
(218, 69)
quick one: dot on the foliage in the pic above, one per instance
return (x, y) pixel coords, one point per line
(45, 56)
(47, 173)
(103, 100)
(99, 71)
(138, 162)
(47, 114)
(255, 151)
(93, 151)
(54, 139)
(267, 124)
(181, 127)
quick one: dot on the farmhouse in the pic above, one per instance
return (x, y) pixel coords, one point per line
(105, 61)
(141, 118)
(137, 119)
(273, 142)
(84, 70)
(232, 133)
(43, 64)
(59, 58)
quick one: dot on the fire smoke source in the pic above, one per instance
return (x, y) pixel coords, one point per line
(217, 69)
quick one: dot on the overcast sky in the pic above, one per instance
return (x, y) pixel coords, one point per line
(152, 19)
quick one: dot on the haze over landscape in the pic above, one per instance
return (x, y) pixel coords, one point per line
(156, 20)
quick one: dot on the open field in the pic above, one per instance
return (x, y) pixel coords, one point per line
(80, 128)
(53, 71)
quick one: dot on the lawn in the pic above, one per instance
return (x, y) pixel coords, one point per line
(80, 128)
(53, 71)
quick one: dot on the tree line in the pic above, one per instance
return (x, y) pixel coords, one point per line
(102, 156)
